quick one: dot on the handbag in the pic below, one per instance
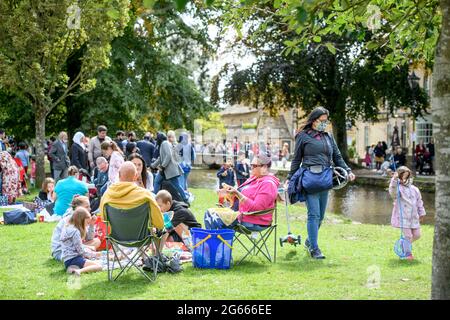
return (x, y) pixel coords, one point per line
(317, 178)
(185, 167)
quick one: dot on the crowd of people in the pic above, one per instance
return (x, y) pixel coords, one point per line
(231, 149)
(381, 158)
(94, 174)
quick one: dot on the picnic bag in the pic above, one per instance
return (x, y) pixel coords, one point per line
(19, 216)
(100, 232)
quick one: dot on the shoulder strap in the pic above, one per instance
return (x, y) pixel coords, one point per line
(328, 138)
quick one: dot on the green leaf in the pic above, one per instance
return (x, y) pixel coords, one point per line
(302, 15)
(372, 45)
(320, 15)
(209, 3)
(113, 13)
(330, 47)
(181, 4)
(277, 4)
(317, 38)
(149, 3)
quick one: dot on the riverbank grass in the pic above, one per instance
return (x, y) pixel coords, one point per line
(360, 264)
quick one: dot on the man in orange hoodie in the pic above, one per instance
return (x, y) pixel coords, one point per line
(126, 194)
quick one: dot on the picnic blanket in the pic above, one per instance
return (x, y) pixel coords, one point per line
(123, 259)
(170, 249)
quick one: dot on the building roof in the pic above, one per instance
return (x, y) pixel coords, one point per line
(237, 109)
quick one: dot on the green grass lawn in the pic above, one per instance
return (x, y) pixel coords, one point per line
(354, 253)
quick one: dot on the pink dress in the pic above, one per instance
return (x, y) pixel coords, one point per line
(261, 194)
(115, 163)
(367, 159)
(412, 205)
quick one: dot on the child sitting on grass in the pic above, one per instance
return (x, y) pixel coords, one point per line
(72, 244)
(411, 202)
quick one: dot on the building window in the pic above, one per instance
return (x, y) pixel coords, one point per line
(366, 136)
(424, 131)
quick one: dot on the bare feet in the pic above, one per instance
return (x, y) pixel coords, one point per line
(75, 270)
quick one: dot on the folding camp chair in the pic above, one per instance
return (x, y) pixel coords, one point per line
(258, 239)
(130, 228)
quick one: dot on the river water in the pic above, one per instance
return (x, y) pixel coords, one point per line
(364, 204)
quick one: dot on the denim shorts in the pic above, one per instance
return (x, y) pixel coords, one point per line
(77, 261)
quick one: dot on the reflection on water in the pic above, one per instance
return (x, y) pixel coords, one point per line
(365, 204)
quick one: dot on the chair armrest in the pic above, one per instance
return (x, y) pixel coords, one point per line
(258, 213)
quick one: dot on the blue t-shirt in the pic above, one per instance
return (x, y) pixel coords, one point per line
(23, 155)
(65, 190)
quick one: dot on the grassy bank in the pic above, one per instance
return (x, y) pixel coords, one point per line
(354, 253)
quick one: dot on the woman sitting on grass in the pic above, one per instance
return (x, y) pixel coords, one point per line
(48, 190)
(66, 189)
(258, 193)
(72, 237)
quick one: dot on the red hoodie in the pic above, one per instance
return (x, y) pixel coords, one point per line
(261, 194)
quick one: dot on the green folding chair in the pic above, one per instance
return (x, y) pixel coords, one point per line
(129, 228)
(258, 244)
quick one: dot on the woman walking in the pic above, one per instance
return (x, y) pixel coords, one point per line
(315, 150)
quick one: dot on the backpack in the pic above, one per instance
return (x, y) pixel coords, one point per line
(19, 216)
(163, 264)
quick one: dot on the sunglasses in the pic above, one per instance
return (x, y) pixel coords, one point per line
(256, 165)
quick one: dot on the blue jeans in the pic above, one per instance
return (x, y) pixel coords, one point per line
(157, 182)
(175, 182)
(183, 180)
(316, 204)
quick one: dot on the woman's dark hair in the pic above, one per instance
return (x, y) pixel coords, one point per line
(144, 166)
(160, 137)
(130, 147)
(313, 116)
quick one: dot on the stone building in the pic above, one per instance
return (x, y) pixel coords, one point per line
(410, 131)
(256, 125)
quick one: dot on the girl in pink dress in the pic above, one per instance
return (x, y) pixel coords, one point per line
(413, 210)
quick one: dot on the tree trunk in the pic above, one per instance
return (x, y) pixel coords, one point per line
(440, 103)
(40, 116)
(338, 120)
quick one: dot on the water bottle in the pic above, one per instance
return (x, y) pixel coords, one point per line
(168, 220)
